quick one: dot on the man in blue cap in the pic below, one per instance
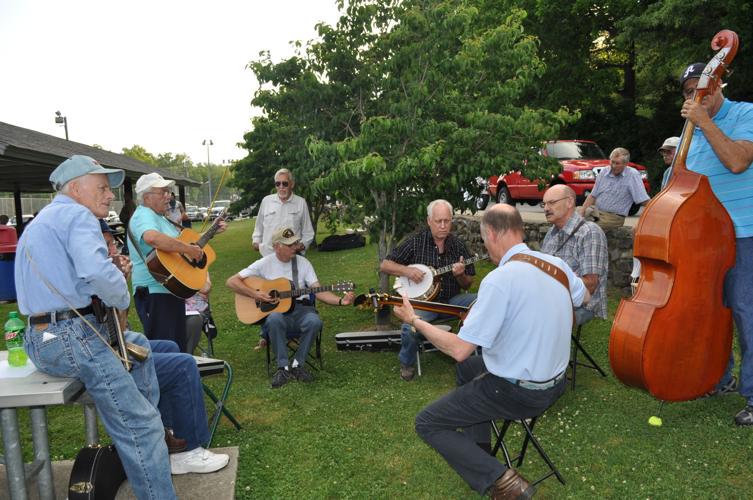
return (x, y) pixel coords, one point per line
(722, 150)
(62, 262)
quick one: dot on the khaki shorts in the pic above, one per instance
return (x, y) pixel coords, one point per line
(605, 220)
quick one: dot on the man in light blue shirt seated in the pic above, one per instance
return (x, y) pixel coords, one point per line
(616, 190)
(62, 263)
(522, 321)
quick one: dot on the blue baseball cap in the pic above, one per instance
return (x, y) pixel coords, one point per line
(695, 70)
(79, 165)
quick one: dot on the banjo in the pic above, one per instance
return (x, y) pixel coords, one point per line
(428, 287)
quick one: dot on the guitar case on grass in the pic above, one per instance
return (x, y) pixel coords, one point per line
(96, 475)
(341, 242)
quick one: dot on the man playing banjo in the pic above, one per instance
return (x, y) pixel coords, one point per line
(434, 246)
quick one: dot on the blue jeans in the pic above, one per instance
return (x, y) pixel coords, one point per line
(408, 346)
(302, 319)
(455, 423)
(126, 403)
(583, 316)
(181, 402)
(738, 290)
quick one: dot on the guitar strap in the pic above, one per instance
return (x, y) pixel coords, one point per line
(569, 236)
(161, 278)
(550, 269)
(294, 264)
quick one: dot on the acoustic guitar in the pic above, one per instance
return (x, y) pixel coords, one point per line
(428, 287)
(250, 311)
(379, 300)
(180, 274)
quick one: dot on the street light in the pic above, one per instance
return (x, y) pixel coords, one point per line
(59, 118)
(207, 143)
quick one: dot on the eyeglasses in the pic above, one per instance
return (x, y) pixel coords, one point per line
(688, 93)
(666, 152)
(282, 183)
(544, 204)
(161, 192)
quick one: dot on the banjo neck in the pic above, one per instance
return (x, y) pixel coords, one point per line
(446, 269)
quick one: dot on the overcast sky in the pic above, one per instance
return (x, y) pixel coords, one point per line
(164, 74)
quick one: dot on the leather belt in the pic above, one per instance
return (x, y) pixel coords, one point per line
(537, 386)
(55, 316)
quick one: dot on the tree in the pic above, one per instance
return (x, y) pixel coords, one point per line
(441, 101)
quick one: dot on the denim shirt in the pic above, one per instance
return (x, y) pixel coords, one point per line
(66, 245)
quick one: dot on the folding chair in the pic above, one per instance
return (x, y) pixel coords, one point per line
(292, 345)
(529, 438)
(207, 367)
(574, 363)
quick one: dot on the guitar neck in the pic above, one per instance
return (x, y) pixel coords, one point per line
(467, 262)
(305, 291)
(209, 234)
(437, 307)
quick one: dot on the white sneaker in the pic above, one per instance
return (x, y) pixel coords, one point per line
(198, 460)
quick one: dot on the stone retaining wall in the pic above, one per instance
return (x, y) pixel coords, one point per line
(620, 243)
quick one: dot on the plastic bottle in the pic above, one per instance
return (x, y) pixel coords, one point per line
(14, 340)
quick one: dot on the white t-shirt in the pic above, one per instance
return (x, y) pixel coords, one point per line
(270, 267)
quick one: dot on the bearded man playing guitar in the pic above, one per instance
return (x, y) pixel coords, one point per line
(435, 246)
(284, 263)
(161, 313)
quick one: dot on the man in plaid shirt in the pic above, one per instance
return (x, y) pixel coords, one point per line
(580, 243)
(436, 247)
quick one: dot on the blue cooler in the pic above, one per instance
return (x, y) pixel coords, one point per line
(7, 279)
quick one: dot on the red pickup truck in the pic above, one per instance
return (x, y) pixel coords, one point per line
(581, 162)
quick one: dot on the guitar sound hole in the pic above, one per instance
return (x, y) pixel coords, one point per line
(269, 306)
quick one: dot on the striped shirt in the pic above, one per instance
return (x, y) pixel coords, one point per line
(735, 191)
(586, 252)
(421, 249)
(617, 193)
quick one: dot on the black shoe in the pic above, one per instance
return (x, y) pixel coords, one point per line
(745, 416)
(300, 374)
(281, 377)
(407, 372)
(728, 388)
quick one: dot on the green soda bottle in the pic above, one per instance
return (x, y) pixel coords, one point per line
(14, 340)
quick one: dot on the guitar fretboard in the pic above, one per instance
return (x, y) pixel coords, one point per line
(305, 291)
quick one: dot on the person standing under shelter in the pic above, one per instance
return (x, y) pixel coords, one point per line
(436, 247)
(522, 321)
(175, 211)
(617, 188)
(62, 262)
(722, 150)
(580, 243)
(303, 317)
(283, 209)
(161, 313)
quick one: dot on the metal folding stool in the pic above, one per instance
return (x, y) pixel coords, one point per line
(529, 438)
(574, 363)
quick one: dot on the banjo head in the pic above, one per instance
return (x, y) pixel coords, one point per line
(426, 289)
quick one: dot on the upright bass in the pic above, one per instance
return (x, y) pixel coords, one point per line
(673, 337)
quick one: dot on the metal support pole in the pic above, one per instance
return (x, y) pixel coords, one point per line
(14, 461)
(45, 482)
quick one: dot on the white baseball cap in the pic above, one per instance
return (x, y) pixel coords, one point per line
(670, 142)
(153, 180)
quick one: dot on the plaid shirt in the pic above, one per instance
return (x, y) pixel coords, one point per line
(421, 249)
(586, 252)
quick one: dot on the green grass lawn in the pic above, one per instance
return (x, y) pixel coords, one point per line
(350, 433)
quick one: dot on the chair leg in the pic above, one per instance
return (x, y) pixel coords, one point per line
(574, 363)
(529, 438)
(219, 404)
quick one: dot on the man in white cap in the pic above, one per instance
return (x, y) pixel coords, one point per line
(284, 263)
(62, 263)
(667, 152)
(161, 313)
